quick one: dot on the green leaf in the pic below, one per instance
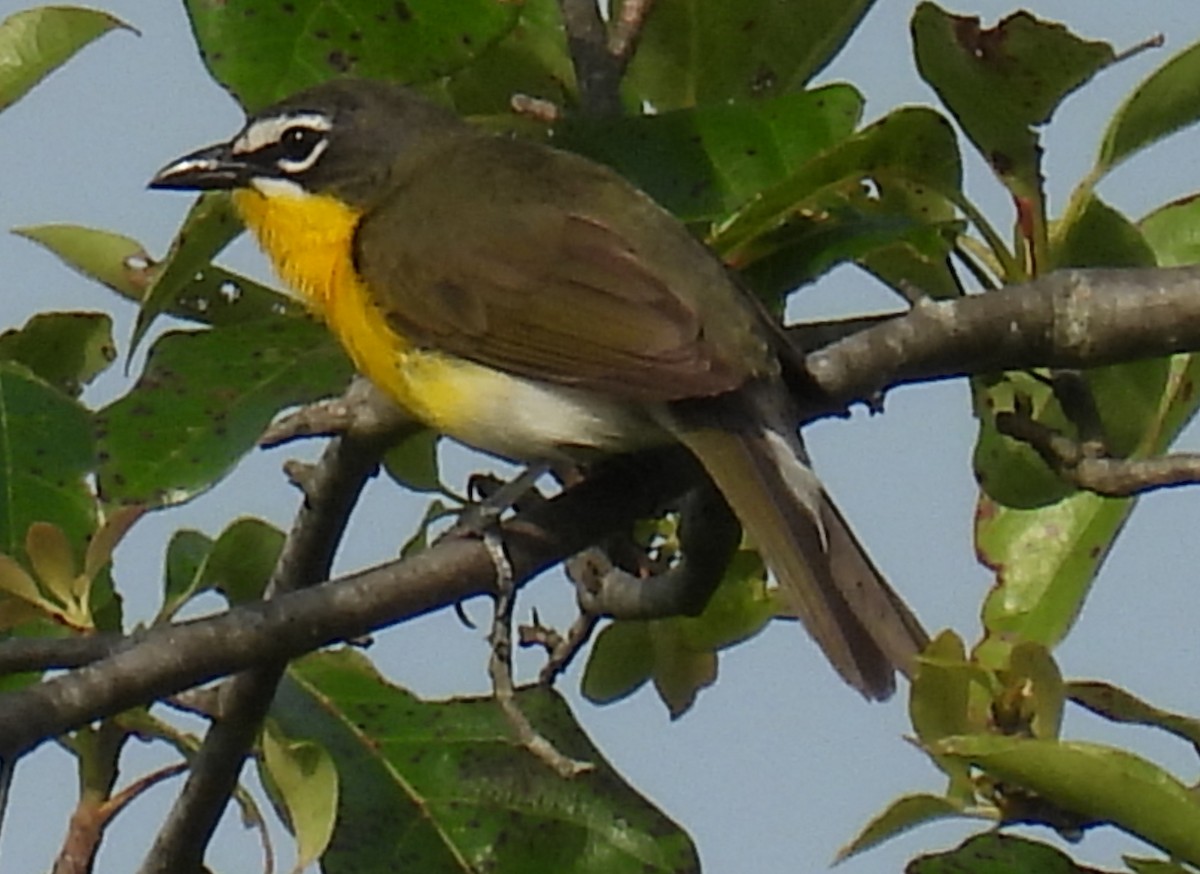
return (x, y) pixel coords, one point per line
(1034, 678)
(712, 51)
(413, 462)
(702, 163)
(209, 226)
(427, 786)
(531, 60)
(739, 609)
(67, 350)
(211, 295)
(903, 814)
(1155, 866)
(305, 780)
(1045, 561)
(111, 259)
(47, 451)
(1166, 102)
(680, 654)
(202, 402)
(242, 560)
(1173, 232)
(996, 853)
(1002, 83)
(1118, 705)
(913, 145)
(35, 42)
(620, 662)
(1095, 782)
(262, 50)
(1096, 235)
(181, 575)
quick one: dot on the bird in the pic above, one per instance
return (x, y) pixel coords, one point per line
(534, 304)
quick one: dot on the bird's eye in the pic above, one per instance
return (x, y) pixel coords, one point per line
(298, 141)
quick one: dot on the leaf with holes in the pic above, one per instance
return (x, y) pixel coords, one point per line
(262, 51)
(47, 450)
(202, 402)
(706, 52)
(67, 350)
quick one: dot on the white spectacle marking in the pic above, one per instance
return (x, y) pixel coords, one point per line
(289, 166)
(268, 131)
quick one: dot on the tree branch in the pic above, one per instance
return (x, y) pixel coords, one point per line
(1072, 319)
(168, 659)
(331, 489)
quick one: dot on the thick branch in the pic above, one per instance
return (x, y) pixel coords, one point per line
(331, 489)
(1074, 318)
(169, 659)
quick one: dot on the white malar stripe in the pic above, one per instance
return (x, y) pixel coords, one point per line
(267, 131)
(272, 186)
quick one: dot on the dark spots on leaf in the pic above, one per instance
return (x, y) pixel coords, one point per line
(288, 8)
(102, 456)
(1001, 163)
(142, 410)
(37, 471)
(321, 34)
(401, 11)
(986, 46)
(751, 153)
(250, 12)
(748, 25)
(381, 18)
(217, 57)
(356, 36)
(466, 40)
(118, 479)
(764, 79)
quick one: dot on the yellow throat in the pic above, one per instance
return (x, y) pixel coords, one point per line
(309, 240)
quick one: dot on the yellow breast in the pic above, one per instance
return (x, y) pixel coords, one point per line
(309, 240)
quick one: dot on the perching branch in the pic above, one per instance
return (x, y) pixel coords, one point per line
(1073, 319)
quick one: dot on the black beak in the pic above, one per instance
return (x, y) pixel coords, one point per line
(211, 168)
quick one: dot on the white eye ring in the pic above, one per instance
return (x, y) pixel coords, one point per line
(293, 166)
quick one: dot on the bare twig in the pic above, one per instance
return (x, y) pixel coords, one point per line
(500, 669)
(362, 410)
(331, 489)
(1074, 319)
(627, 30)
(1113, 477)
(597, 72)
(20, 654)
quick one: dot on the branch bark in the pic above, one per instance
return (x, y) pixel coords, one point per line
(1072, 319)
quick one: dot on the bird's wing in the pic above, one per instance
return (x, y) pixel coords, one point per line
(545, 265)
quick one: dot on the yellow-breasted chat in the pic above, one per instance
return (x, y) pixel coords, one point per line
(534, 304)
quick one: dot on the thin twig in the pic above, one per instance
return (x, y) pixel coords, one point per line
(596, 71)
(1111, 477)
(627, 30)
(331, 490)
(500, 668)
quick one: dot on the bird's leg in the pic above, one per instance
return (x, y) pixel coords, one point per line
(494, 500)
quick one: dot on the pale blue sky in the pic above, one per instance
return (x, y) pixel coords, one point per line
(779, 764)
